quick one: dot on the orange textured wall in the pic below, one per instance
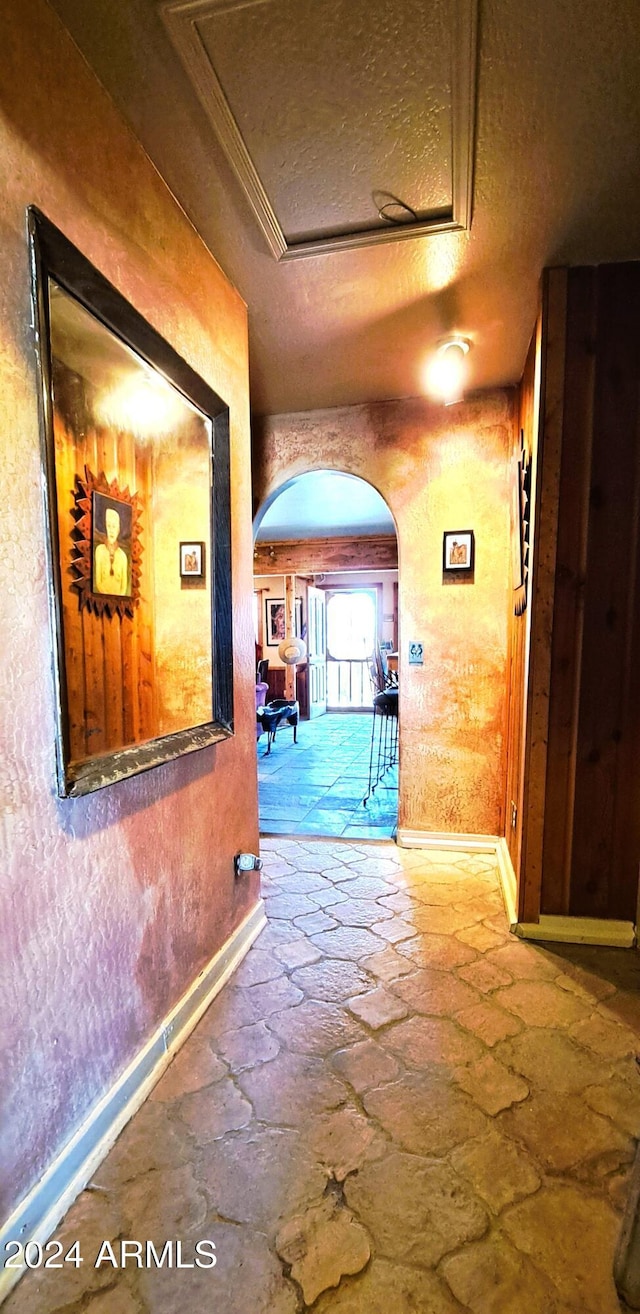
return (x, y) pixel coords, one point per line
(114, 902)
(438, 469)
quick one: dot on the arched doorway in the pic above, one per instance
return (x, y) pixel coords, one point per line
(326, 557)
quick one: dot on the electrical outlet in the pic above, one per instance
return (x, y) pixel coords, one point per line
(514, 815)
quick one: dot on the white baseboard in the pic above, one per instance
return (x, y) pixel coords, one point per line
(435, 839)
(508, 882)
(579, 930)
(37, 1216)
(558, 930)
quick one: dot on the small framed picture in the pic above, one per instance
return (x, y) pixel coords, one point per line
(457, 550)
(192, 561)
(275, 621)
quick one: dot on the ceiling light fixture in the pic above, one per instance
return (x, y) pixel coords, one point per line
(446, 372)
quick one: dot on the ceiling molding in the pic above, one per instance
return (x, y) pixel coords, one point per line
(181, 19)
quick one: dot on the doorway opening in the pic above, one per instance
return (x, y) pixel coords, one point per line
(326, 573)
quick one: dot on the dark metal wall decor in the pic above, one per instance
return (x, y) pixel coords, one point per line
(521, 527)
(106, 544)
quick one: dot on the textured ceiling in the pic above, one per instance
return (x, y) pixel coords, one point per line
(557, 181)
(322, 504)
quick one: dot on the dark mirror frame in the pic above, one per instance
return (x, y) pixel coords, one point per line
(53, 256)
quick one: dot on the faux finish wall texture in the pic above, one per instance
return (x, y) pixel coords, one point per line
(439, 468)
(111, 904)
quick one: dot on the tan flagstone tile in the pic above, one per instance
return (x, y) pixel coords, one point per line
(258, 966)
(491, 1085)
(434, 992)
(333, 980)
(541, 1004)
(387, 1288)
(261, 1175)
(315, 1027)
(550, 1060)
(479, 937)
(263, 1288)
(497, 1169)
(289, 905)
(316, 921)
(422, 1041)
(619, 1101)
(248, 1046)
(272, 997)
(376, 867)
(321, 1245)
(492, 1277)
(292, 1089)
(326, 898)
(191, 1069)
(368, 887)
(571, 1236)
(484, 976)
(354, 942)
(297, 953)
(388, 965)
(378, 1007)
(426, 950)
(414, 1209)
(488, 1021)
(604, 1035)
(398, 903)
(207, 1118)
(561, 1133)
(425, 1114)
(443, 921)
(343, 1141)
(525, 962)
(361, 912)
(364, 1065)
(394, 930)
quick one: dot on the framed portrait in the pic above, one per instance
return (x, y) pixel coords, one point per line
(135, 451)
(458, 550)
(275, 621)
(192, 560)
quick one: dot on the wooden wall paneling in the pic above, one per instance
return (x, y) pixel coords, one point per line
(131, 725)
(626, 830)
(544, 525)
(144, 610)
(326, 555)
(571, 568)
(92, 634)
(596, 888)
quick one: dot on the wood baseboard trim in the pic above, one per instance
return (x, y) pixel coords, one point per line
(37, 1216)
(579, 930)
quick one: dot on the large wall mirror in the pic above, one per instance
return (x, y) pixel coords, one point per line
(136, 453)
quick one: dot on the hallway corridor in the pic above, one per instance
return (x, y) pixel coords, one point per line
(394, 1107)
(318, 786)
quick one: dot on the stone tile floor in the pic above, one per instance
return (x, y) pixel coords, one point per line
(394, 1107)
(317, 786)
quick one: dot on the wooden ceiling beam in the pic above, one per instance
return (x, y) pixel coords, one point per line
(315, 556)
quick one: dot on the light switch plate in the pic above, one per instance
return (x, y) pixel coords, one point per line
(416, 653)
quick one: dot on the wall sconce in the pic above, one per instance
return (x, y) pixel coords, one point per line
(446, 372)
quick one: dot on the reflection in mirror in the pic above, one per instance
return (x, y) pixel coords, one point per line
(133, 474)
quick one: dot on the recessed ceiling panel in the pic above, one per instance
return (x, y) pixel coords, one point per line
(346, 121)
